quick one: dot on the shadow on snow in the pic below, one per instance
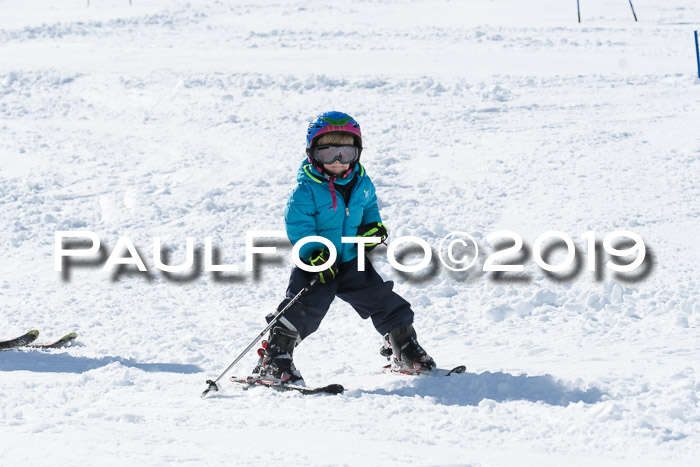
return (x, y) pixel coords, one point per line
(470, 389)
(66, 363)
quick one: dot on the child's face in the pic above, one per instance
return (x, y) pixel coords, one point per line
(336, 168)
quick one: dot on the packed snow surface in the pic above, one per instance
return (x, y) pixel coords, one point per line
(178, 119)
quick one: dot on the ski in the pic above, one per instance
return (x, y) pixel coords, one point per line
(253, 381)
(26, 339)
(434, 372)
(62, 342)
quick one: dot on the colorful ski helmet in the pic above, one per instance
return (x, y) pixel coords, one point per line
(338, 122)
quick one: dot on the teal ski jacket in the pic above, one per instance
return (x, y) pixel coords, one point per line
(314, 208)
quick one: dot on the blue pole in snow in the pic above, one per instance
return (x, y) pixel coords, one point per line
(697, 53)
(635, 14)
(578, 8)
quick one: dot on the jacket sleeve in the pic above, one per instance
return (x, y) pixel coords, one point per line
(371, 211)
(300, 219)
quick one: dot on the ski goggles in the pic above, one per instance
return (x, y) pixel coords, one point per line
(329, 154)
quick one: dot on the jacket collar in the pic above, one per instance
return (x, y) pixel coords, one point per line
(309, 172)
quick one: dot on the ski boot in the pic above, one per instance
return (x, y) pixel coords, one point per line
(275, 363)
(401, 347)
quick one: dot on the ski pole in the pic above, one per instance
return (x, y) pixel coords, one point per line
(213, 384)
(578, 8)
(635, 14)
(697, 53)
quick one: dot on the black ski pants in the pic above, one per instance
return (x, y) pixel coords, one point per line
(369, 294)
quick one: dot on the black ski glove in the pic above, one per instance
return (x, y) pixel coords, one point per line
(319, 257)
(375, 229)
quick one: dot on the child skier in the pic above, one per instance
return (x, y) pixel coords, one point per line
(335, 198)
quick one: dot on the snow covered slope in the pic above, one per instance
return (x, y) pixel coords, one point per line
(177, 119)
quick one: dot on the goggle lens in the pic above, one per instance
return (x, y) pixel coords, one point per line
(330, 154)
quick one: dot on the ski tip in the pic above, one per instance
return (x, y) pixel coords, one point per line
(64, 341)
(33, 332)
(334, 389)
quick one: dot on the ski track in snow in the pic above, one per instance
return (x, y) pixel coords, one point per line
(174, 119)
